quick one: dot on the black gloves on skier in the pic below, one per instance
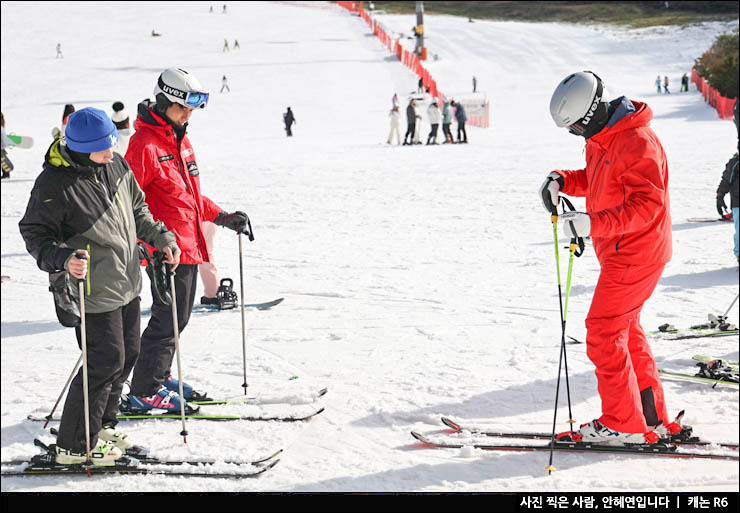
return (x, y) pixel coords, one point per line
(550, 192)
(721, 206)
(237, 221)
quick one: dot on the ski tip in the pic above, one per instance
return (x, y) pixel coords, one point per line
(421, 438)
(451, 424)
(322, 392)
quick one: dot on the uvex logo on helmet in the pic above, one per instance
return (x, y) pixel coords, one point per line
(590, 114)
(174, 92)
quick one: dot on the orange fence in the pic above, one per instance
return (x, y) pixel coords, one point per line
(411, 61)
(723, 105)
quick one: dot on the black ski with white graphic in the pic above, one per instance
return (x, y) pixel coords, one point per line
(44, 465)
(459, 428)
(656, 449)
(199, 416)
(250, 400)
(141, 455)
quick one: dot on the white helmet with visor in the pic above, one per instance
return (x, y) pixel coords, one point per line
(179, 86)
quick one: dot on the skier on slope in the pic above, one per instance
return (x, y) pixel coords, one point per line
(461, 117)
(395, 115)
(86, 197)
(730, 182)
(411, 117)
(627, 216)
(288, 119)
(446, 122)
(164, 165)
(435, 116)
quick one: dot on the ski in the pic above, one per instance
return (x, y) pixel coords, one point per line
(140, 455)
(707, 359)
(727, 218)
(459, 428)
(688, 334)
(40, 466)
(252, 400)
(698, 379)
(199, 416)
(657, 449)
(214, 308)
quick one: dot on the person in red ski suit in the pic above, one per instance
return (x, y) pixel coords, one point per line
(625, 183)
(164, 164)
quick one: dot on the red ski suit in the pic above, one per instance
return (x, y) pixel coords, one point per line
(625, 183)
(168, 175)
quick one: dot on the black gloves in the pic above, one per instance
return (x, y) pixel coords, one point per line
(237, 221)
(721, 207)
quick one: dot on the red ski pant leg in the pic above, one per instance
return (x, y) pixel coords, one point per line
(618, 348)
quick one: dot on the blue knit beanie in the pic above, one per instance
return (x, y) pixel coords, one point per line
(90, 130)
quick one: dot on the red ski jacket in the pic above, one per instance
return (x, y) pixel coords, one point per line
(625, 183)
(168, 174)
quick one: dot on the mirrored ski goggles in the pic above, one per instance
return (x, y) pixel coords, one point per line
(195, 99)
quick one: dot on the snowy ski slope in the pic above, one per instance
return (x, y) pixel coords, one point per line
(419, 281)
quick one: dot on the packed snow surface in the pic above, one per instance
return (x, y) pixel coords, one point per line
(418, 281)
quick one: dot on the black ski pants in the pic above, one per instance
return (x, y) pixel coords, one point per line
(410, 131)
(433, 133)
(112, 341)
(447, 132)
(158, 339)
(461, 129)
(288, 130)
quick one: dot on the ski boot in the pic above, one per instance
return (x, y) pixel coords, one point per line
(104, 454)
(190, 394)
(597, 433)
(675, 431)
(163, 399)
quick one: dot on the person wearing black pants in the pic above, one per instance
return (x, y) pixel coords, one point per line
(113, 343)
(158, 339)
(411, 120)
(461, 118)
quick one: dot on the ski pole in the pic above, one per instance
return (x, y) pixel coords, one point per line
(66, 386)
(184, 431)
(244, 326)
(250, 234)
(83, 343)
(730, 307)
(563, 318)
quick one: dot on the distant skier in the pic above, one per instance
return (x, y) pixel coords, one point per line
(475, 84)
(657, 84)
(224, 11)
(730, 182)
(461, 118)
(395, 115)
(59, 51)
(665, 85)
(628, 219)
(435, 116)
(289, 119)
(224, 84)
(120, 118)
(411, 117)
(236, 44)
(155, 33)
(226, 46)
(211, 11)
(7, 165)
(446, 122)
(684, 83)
(394, 100)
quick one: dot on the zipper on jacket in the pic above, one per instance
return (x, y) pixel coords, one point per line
(123, 210)
(624, 198)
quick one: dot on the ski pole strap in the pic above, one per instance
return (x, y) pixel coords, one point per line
(577, 245)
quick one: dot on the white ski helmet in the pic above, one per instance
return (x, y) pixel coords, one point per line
(179, 86)
(579, 101)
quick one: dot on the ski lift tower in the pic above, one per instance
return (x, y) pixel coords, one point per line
(420, 51)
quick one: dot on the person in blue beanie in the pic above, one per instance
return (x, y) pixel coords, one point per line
(82, 222)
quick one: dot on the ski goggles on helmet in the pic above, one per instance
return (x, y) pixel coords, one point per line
(579, 127)
(195, 99)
